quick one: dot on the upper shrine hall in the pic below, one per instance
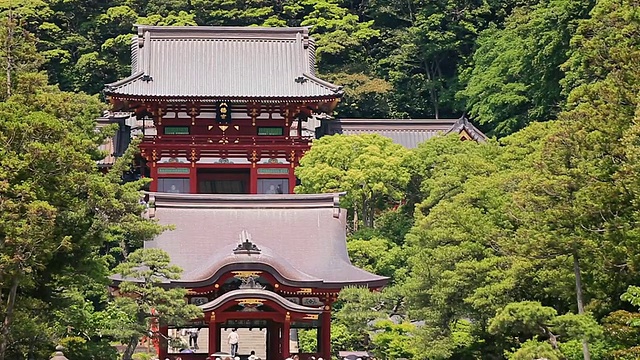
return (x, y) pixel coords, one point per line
(227, 104)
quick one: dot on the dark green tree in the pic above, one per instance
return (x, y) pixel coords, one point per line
(516, 70)
(143, 305)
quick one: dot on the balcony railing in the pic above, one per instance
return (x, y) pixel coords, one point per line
(226, 140)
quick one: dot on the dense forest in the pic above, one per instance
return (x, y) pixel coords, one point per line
(523, 247)
(502, 62)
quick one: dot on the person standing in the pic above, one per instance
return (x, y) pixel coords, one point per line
(233, 342)
(193, 337)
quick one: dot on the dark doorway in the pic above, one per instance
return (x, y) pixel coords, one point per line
(223, 181)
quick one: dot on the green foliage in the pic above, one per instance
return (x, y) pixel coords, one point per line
(632, 295)
(144, 304)
(377, 255)
(516, 69)
(522, 318)
(370, 168)
(365, 96)
(533, 349)
(393, 341)
(308, 340)
(58, 216)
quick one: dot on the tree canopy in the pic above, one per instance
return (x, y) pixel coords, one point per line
(521, 247)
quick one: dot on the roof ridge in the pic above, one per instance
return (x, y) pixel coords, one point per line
(230, 32)
(245, 201)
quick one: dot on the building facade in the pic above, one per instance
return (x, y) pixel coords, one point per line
(269, 263)
(229, 107)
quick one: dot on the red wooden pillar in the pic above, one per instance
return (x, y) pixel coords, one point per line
(253, 179)
(272, 341)
(163, 345)
(286, 336)
(292, 179)
(325, 347)
(213, 334)
(193, 180)
(278, 341)
(153, 172)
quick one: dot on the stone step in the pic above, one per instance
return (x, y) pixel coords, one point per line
(254, 339)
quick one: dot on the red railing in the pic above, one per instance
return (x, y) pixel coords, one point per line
(227, 139)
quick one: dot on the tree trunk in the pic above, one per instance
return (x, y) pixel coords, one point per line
(431, 76)
(131, 347)
(372, 210)
(8, 318)
(355, 219)
(579, 298)
(364, 209)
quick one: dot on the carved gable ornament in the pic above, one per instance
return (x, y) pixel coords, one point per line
(251, 283)
(246, 246)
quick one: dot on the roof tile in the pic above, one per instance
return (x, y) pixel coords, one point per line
(301, 236)
(223, 63)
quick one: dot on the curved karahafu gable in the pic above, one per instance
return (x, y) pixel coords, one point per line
(240, 294)
(301, 238)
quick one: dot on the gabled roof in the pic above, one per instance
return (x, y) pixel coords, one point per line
(408, 133)
(301, 238)
(222, 63)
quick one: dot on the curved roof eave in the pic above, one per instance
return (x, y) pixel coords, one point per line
(377, 282)
(187, 98)
(231, 263)
(259, 294)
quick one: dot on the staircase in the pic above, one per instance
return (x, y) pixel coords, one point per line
(254, 339)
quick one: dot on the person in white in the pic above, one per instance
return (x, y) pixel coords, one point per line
(233, 342)
(253, 355)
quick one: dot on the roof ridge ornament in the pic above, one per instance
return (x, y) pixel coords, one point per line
(246, 246)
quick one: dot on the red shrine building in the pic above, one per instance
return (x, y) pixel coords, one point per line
(228, 105)
(224, 111)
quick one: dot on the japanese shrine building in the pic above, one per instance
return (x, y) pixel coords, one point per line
(228, 107)
(227, 103)
(274, 262)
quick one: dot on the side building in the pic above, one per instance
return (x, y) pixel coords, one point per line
(406, 132)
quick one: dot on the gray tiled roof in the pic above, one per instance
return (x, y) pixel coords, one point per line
(408, 133)
(223, 63)
(301, 237)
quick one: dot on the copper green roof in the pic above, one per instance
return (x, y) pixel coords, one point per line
(204, 62)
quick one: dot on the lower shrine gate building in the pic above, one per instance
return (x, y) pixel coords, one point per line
(269, 263)
(229, 108)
